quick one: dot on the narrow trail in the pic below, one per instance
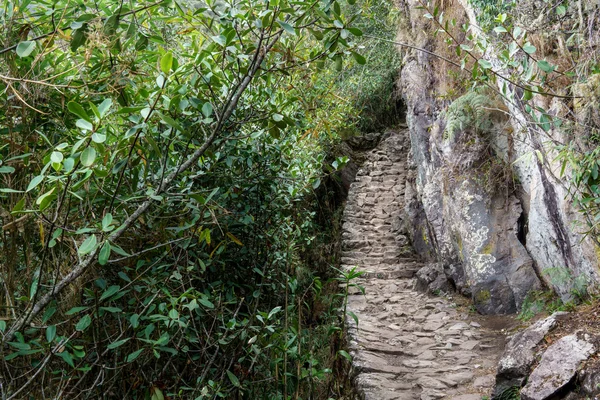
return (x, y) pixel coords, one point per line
(407, 345)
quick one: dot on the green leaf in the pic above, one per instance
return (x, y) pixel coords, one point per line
(98, 137)
(274, 311)
(44, 196)
(119, 250)
(134, 355)
(359, 59)
(25, 48)
(287, 27)
(354, 317)
(118, 343)
(69, 164)
(50, 333)
(319, 35)
(356, 32)
(111, 24)
(6, 170)
(56, 157)
(207, 109)
(83, 323)
(221, 40)
(277, 117)
(88, 245)
(529, 48)
(19, 345)
(104, 253)
(234, 380)
(112, 309)
(78, 110)
(345, 355)
(134, 320)
(78, 39)
(88, 156)
(206, 303)
(110, 291)
(546, 66)
(75, 310)
(66, 356)
(106, 221)
(141, 43)
(170, 121)
(85, 125)
(500, 29)
(166, 62)
(485, 64)
(104, 107)
(34, 182)
(561, 10)
(339, 63)
(157, 394)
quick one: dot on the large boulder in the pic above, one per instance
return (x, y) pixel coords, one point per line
(519, 354)
(557, 367)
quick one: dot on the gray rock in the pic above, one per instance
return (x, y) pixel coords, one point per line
(495, 237)
(431, 278)
(589, 379)
(519, 354)
(557, 367)
(486, 381)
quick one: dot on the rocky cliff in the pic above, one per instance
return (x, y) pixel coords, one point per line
(488, 200)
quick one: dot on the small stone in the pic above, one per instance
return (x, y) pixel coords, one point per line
(469, 345)
(432, 326)
(467, 397)
(458, 327)
(486, 381)
(431, 383)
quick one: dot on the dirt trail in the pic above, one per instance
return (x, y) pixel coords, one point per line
(407, 345)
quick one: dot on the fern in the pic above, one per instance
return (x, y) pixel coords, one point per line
(468, 111)
(512, 393)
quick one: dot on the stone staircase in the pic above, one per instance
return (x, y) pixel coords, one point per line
(407, 345)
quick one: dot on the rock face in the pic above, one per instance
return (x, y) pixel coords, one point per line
(519, 354)
(407, 346)
(557, 367)
(494, 238)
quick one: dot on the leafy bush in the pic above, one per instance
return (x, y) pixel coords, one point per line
(158, 199)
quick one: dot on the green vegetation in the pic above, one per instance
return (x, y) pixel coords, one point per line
(512, 393)
(488, 10)
(167, 195)
(470, 111)
(538, 302)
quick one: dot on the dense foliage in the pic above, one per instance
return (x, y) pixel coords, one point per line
(159, 163)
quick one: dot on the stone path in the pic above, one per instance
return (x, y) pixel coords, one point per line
(407, 345)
